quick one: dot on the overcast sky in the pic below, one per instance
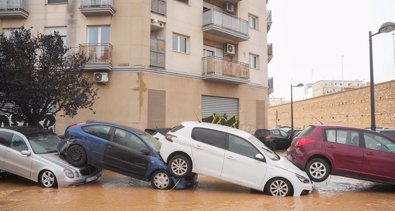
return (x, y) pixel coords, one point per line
(311, 38)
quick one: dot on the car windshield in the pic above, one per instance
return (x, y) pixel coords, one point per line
(44, 143)
(150, 140)
(272, 155)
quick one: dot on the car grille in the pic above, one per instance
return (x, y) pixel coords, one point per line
(88, 170)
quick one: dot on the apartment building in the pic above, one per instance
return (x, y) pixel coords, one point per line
(160, 62)
(324, 87)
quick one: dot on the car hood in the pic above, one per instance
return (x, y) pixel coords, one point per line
(285, 164)
(56, 159)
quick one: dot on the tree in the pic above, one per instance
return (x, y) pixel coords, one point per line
(40, 76)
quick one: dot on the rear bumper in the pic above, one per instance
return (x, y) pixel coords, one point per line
(297, 158)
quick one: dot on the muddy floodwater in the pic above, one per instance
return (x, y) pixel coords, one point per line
(118, 192)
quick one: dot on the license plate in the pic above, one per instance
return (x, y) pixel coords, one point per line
(90, 179)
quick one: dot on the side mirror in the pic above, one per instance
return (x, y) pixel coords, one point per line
(260, 157)
(145, 151)
(26, 152)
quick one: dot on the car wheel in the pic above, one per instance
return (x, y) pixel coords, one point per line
(48, 179)
(76, 155)
(180, 166)
(279, 187)
(318, 170)
(161, 180)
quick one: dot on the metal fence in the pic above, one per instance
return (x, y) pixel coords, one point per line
(13, 5)
(97, 3)
(213, 16)
(97, 52)
(216, 65)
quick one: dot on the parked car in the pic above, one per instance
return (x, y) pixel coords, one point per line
(293, 134)
(31, 153)
(231, 155)
(121, 149)
(274, 139)
(388, 132)
(353, 152)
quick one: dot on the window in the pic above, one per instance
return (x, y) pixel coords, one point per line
(211, 137)
(7, 32)
(242, 147)
(184, 1)
(98, 34)
(253, 21)
(18, 143)
(61, 30)
(342, 137)
(208, 53)
(254, 61)
(5, 138)
(128, 140)
(180, 43)
(376, 142)
(56, 1)
(98, 130)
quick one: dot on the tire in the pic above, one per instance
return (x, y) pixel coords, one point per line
(180, 166)
(161, 180)
(76, 155)
(47, 179)
(318, 169)
(279, 187)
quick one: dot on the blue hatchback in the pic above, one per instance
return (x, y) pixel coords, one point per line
(121, 149)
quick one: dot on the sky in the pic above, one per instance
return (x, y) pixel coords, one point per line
(328, 40)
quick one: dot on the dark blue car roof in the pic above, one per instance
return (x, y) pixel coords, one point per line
(131, 129)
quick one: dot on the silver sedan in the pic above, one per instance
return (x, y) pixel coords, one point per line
(32, 153)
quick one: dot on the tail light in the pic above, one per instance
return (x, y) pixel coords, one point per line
(170, 137)
(303, 141)
(268, 137)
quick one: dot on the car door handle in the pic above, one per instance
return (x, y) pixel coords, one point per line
(198, 147)
(230, 157)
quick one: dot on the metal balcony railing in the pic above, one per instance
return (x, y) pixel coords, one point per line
(158, 6)
(157, 53)
(269, 51)
(97, 3)
(97, 53)
(13, 9)
(269, 19)
(219, 66)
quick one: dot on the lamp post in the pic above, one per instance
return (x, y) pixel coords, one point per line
(292, 107)
(385, 28)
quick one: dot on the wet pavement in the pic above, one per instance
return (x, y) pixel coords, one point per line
(118, 192)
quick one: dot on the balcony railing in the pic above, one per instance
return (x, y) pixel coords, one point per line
(158, 6)
(99, 55)
(269, 52)
(219, 69)
(269, 19)
(97, 7)
(270, 86)
(225, 25)
(13, 9)
(157, 53)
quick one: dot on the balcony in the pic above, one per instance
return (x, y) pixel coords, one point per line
(13, 9)
(158, 6)
(218, 69)
(97, 7)
(269, 52)
(270, 88)
(99, 56)
(226, 26)
(157, 53)
(269, 19)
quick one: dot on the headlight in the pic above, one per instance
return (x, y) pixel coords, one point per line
(302, 178)
(69, 173)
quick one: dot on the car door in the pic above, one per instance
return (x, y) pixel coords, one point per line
(208, 151)
(280, 138)
(379, 157)
(14, 161)
(240, 165)
(127, 154)
(343, 147)
(96, 139)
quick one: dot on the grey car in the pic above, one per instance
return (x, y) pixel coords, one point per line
(32, 153)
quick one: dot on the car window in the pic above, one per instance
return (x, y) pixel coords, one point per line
(306, 131)
(347, 137)
(376, 142)
(128, 140)
(18, 143)
(208, 136)
(5, 138)
(42, 143)
(150, 140)
(282, 133)
(390, 133)
(101, 131)
(275, 132)
(241, 147)
(272, 155)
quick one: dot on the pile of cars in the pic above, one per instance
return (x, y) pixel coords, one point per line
(175, 157)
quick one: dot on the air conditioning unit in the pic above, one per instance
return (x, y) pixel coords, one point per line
(229, 7)
(229, 49)
(100, 77)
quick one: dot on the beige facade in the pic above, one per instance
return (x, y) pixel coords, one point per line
(144, 56)
(348, 108)
(324, 87)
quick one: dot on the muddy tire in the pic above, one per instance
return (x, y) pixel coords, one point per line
(318, 169)
(76, 155)
(161, 180)
(279, 187)
(47, 179)
(180, 166)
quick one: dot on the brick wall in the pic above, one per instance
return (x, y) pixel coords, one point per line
(348, 108)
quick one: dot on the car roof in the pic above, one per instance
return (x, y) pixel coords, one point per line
(342, 127)
(131, 129)
(27, 131)
(222, 128)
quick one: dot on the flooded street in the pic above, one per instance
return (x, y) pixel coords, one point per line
(117, 192)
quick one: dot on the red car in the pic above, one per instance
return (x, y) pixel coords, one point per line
(358, 153)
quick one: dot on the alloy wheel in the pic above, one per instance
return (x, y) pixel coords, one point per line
(317, 170)
(179, 166)
(279, 188)
(48, 179)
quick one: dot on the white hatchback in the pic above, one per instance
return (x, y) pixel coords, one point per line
(232, 155)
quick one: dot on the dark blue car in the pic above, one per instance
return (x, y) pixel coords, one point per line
(121, 149)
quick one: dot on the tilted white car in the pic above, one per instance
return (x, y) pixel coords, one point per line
(232, 155)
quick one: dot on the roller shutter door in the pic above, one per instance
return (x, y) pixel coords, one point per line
(219, 105)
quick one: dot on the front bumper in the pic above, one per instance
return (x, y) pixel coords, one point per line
(303, 189)
(67, 182)
(185, 182)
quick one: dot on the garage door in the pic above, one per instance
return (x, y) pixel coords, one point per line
(220, 110)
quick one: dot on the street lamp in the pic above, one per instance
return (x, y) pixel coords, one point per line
(385, 28)
(292, 107)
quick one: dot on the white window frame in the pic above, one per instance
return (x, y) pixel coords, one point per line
(184, 1)
(254, 61)
(253, 21)
(179, 38)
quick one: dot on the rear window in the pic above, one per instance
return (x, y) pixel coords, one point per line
(211, 137)
(176, 128)
(98, 130)
(306, 131)
(389, 133)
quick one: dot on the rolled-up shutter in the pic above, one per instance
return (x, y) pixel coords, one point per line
(219, 105)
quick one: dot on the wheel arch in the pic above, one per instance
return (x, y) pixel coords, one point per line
(321, 157)
(278, 177)
(179, 153)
